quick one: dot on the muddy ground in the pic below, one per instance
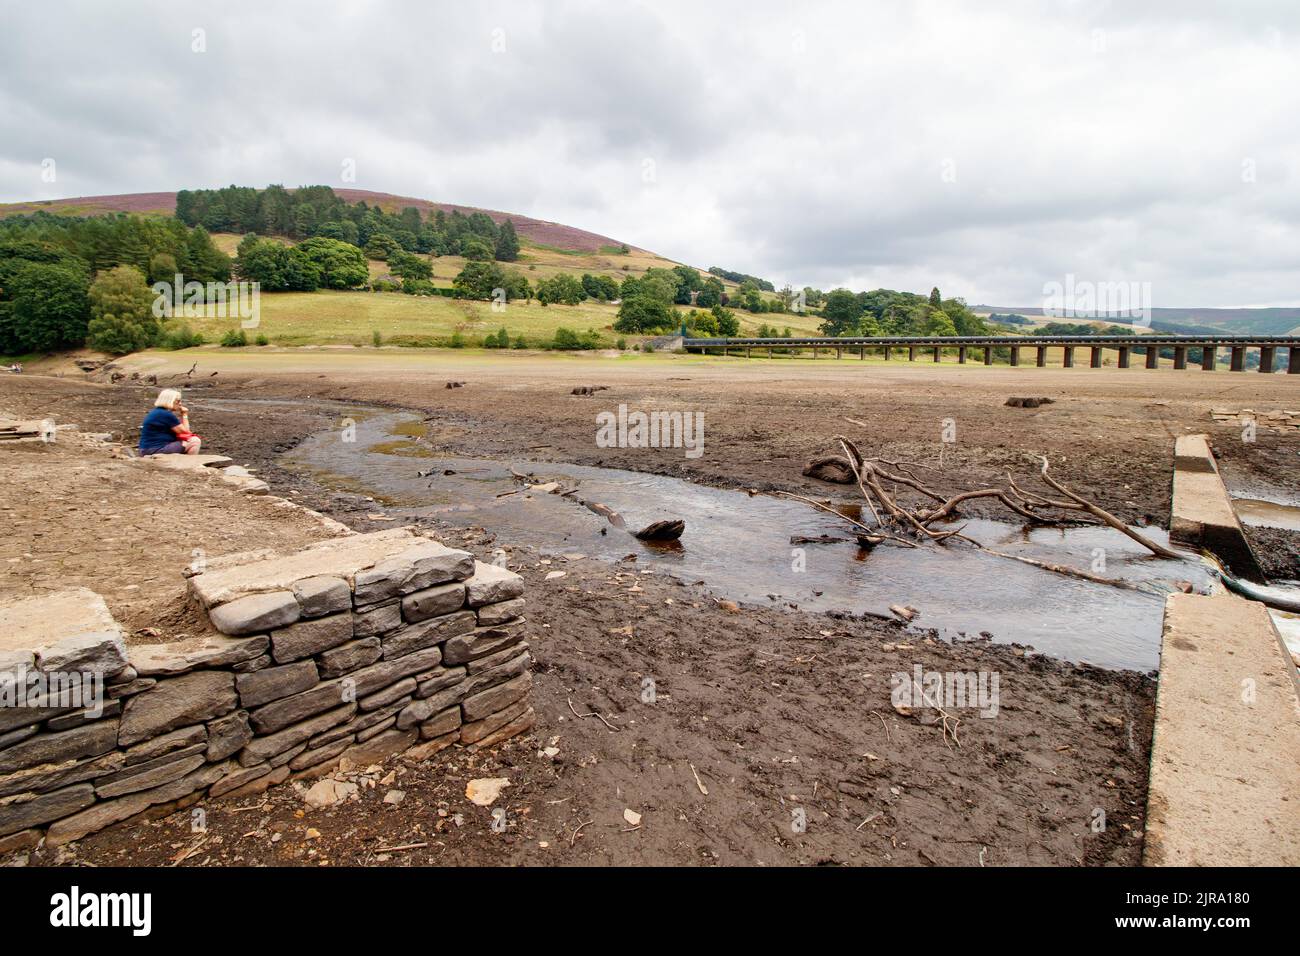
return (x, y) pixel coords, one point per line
(776, 712)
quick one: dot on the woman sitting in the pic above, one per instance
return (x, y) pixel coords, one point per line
(166, 429)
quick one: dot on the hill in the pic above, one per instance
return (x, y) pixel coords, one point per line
(538, 231)
(1275, 321)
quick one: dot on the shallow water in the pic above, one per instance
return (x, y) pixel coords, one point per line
(739, 546)
(1267, 514)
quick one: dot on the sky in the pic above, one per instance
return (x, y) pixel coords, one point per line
(988, 149)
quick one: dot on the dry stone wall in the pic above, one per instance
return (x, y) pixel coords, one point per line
(351, 649)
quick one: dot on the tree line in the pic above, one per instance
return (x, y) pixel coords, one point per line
(310, 212)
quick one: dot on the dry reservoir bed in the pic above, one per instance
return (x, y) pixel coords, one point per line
(781, 716)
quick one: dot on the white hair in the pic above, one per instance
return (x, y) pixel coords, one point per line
(167, 398)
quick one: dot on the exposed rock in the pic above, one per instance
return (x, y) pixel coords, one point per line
(379, 749)
(328, 793)
(435, 680)
(415, 637)
(19, 814)
(441, 724)
(490, 614)
(431, 602)
(312, 758)
(228, 735)
(403, 688)
(376, 730)
(322, 595)
(496, 698)
(348, 657)
(379, 619)
(484, 641)
(272, 683)
(256, 664)
(154, 773)
(289, 710)
(310, 637)
(130, 688)
(188, 699)
(261, 749)
(491, 585)
(110, 708)
(237, 778)
(166, 743)
(260, 784)
(424, 751)
(479, 730)
(167, 660)
(418, 567)
(255, 612)
(89, 740)
(523, 722)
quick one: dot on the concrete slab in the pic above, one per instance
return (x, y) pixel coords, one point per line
(1225, 757)
(1201, 514)
(186, 462)
(70, 629)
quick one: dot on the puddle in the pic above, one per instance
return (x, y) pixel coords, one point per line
(739, 546)
(1267, 514)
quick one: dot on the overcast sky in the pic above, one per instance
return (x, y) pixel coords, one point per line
(886, 144)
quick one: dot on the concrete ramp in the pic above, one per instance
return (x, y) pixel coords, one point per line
(1202, 515)
(1225, 758)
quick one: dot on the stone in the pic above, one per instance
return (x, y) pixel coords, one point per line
(154, 773)
(473, 732)
(110, 708)
(427, 749)
(484, 641)
(228, 735)
(22, 840)
(431, 602)
(131, 688)
(348, 657)
(517, 726)
(496, 698)
(70, 630)
(379, 748)
(435, 680)
(253, 572)
(171, 703)
(45, 777)
(403, 688)
(394, 797)
(376, 730)
(480, 664)
(415, 637)
(328, 793)
(15, 736)
(420, 566)
(89, 740)
(256, 664)
(19, 814)
(311, 758)
(290, 710)
(124, 676)
(419, 711)
(477, 682)
(484, 791)
(379, 619)
(322, 595)
(237, 778)
(441, 724)
(169, 660)
(272, 683)
(310, 637)
(285, 758)
(261, 749)
(261, 784)
(367, 680)
(501, 612)
(832, 468)
(255, 612)
(491, 585)
(166, 743)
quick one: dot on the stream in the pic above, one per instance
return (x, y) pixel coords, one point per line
(739, 546)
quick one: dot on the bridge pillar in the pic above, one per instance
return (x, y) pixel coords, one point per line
(1238, 363)
(938, 354)
(1095, 361)
(961, 355)
(1015, 355)
(1067, 360)
(839, 353)
(862, 352)
(1042, 356)
(724, 351)
(748, 352)
(1153, 357)
(1123, 356)
(1267, 358)
(1180, 357)
(1293, 361)
(887, 353)
(988, 355)
(911, 353)
(769, 351)
(1208, 355)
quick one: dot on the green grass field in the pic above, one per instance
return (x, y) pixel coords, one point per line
(352, 318)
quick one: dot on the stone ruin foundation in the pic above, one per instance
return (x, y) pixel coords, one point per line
(345, 652)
